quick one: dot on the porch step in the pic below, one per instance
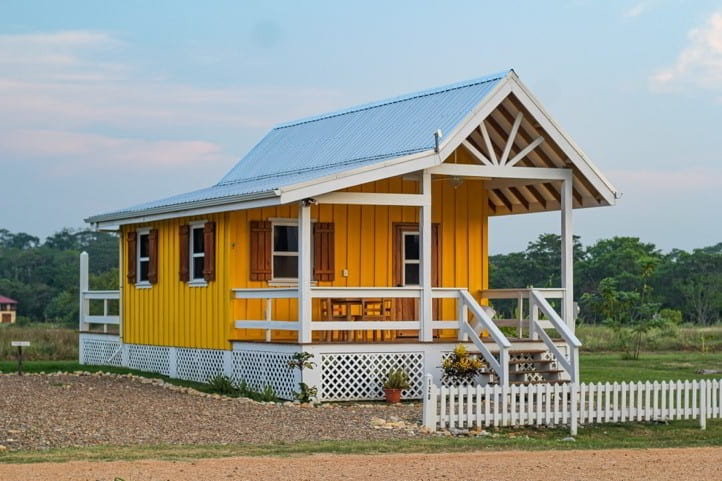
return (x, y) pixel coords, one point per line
(527, 366)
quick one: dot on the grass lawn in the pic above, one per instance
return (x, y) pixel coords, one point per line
(634, 435)
(657, 366)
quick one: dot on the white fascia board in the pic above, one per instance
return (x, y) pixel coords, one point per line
(565, 142)
(382, 170)
(474, 119)
(368, 198)
(502, 172)
(250, 204)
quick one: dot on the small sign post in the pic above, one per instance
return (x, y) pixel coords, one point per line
(20, 345)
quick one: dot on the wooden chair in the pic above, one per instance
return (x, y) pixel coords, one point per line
(375, 310)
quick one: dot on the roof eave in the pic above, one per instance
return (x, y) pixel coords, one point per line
(186, 209)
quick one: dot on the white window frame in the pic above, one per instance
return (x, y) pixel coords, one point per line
(406, 261)
(274, 253)
(192, 281)
(138, 259)
(287, 281)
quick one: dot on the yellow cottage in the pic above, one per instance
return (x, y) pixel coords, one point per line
(361, 237)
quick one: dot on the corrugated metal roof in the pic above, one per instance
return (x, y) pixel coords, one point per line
(317, 146)
(7, 300)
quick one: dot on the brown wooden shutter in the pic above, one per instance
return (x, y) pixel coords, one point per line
(209, 251)
(260, 241)
(153, 256)
(131, 255)
(324, 268)
(183, 238)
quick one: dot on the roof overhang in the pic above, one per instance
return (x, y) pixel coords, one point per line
(570, 158)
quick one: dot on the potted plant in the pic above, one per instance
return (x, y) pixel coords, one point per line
(460, 367)
(396, 381)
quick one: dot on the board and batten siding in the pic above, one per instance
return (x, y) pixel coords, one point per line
(173, 313)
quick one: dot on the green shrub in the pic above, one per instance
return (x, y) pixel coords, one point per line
(221, 384)
(397, 379)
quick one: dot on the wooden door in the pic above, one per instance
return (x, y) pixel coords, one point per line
(6, 318)
(406, 255)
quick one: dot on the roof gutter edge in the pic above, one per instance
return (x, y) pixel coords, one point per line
(177, 208)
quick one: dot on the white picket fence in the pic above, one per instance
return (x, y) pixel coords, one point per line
(469, 407)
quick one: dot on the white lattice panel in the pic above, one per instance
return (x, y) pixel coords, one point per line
(199, 365)
(360, 376)
(100, 352)
(260, 369)
(149, 358)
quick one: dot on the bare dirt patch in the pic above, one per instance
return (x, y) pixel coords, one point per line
(39, 412)
(699, 464)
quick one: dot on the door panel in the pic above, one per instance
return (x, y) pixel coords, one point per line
(408, 309)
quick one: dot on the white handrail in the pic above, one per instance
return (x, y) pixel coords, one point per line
(556, 320)
(501, 367)
(571, 365)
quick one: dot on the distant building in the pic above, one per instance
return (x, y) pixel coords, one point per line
(7, 310)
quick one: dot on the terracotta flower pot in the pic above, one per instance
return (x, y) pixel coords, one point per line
(392, 395)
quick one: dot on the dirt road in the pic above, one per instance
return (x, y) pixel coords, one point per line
(699, 464)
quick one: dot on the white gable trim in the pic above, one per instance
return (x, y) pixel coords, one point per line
(565, 142)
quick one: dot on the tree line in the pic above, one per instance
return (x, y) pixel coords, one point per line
(44, 276)
(622, 280)
(619, 280)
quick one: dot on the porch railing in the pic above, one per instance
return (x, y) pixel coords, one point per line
(86, 319)
(536, 328)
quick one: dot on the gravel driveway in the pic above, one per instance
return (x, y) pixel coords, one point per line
(45, 411)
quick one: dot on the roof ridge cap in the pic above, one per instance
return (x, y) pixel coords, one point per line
(393, 100)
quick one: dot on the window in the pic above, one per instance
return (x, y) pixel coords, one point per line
(143, 257)
(412, 259)
(285, 251)
(197, 253)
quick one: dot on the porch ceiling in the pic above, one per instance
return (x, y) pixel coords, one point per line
(518, 196)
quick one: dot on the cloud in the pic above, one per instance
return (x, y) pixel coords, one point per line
(72, 153)
(635, 11)
(700, 62)
(58, 89)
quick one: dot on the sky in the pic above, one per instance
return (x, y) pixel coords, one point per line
(104, 105)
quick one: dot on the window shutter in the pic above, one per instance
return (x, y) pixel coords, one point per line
(324, 268)
(260, 260)
(131, 255)
(209, 251)
(153, 256)
(183, 272)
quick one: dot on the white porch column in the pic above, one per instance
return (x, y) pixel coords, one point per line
(84, 303)
(567, 252)
(304, 272)
(426, 334)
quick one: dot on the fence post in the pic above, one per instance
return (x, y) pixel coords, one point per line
(703, 404)
(573, 422)
(84, 307)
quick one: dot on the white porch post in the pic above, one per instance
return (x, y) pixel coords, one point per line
(304, 272)
(84, 303)
(426, 333)
(567, 252)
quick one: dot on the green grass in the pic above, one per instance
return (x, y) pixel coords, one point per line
(682, 338)
(47, 342)
(666, 366)
(634, 435)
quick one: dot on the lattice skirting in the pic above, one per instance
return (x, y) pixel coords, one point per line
(265, 368)
(100, 351)
(360, 375)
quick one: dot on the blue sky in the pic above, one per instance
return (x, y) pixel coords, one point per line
(108, 104)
